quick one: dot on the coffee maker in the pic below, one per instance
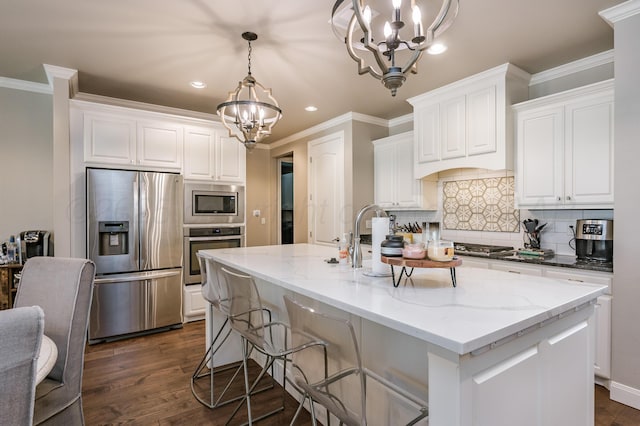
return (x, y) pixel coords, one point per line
(594, 240)
(34, 243)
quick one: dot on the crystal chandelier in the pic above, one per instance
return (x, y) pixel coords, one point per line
(250, 111)
(389, 57)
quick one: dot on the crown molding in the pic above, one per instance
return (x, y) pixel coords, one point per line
(344, 118)
(27, 86)
(407, 118)
(619, 12)
(583, 64)
(71, 75)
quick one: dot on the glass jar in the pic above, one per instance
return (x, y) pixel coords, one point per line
(414, 251)
(440, 250)
(392, 246)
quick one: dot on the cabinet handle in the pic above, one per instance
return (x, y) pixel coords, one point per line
(514, 272)
(568, 198)
(559, 198)
(575, 279)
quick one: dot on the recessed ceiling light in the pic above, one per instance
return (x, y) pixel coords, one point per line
(311, 108)
(198, 84)
(436, 49)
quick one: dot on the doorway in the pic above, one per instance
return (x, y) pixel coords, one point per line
(285, 200)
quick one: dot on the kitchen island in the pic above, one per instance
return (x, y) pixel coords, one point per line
(498, 349)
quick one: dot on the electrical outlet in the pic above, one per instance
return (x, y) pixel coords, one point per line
(570, 230)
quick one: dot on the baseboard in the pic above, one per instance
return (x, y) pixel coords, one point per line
(606, 383)
(625, 394)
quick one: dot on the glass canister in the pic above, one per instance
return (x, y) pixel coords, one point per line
(440, 250)
(392, 246)
(414, 251)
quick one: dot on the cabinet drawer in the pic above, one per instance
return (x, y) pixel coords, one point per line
(517, 269)
(584, 277)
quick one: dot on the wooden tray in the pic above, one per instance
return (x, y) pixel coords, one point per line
(420, 263)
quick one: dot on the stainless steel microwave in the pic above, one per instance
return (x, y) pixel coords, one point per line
(213, 204)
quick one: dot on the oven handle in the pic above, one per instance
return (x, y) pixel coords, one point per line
(226, 237)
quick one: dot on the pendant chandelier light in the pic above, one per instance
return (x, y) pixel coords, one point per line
(379, 48)
(250, 111)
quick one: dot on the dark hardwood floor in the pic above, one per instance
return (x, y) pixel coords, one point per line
(146, 381)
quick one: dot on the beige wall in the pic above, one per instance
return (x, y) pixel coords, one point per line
(26, 147)
(258, 192)
(358, 186)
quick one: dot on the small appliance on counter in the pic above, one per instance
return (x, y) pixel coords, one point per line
(594, 240)
(34, 243)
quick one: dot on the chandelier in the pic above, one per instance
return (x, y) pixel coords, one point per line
(250, 111)
(386, 55)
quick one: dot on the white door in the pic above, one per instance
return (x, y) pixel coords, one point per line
(326, 188)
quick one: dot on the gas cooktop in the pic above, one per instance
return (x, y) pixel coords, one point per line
(482, 249)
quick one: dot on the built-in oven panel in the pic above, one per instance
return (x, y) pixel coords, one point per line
(196, 239)
(210, 203)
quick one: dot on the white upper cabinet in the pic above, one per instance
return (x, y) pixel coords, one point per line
(468, 123)
(115, 136)
(212, 157)
(395, 186)
(565, 149)
(109, 138)
(160, 144)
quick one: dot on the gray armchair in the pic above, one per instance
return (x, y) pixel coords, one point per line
(20, 337)
(63, 288)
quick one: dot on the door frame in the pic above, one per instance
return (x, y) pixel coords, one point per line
(287, 159)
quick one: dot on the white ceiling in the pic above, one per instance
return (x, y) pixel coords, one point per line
(149, 50)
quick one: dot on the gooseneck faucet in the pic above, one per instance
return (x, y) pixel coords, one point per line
(356, 250)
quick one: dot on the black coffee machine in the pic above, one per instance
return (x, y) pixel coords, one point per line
(594, 240)
(34, 243)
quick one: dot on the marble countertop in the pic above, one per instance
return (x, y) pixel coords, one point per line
(486, 306)
(564, 261)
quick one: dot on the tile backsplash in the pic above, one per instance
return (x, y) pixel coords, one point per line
(480, 205)
(557, 235)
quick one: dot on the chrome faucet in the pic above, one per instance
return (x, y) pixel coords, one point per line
(355, 249)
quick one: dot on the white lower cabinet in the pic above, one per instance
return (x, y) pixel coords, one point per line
(194, 305)
(602, 360)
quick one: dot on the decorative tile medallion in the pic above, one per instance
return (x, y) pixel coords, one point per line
(480, 205)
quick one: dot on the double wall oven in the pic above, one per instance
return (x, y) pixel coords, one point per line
(213, 219)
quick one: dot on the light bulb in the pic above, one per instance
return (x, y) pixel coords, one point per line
(387, 29)
(417, 16)
(396, 3)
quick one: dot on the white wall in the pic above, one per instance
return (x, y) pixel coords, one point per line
(626, 287)
(26, 174)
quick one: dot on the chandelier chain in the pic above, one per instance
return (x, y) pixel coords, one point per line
(249, 58)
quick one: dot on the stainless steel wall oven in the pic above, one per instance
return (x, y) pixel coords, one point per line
(207, 238)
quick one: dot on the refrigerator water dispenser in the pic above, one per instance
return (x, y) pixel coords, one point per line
(113, 238)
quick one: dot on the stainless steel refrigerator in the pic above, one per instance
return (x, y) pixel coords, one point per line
(134, 235)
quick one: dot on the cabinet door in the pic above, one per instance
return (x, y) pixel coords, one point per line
(589, 152)
(384, 175)
(452, 130)
(427, 136)
(602, 362)
(109, 139)
(481, 121)
(539, 172)
(230, 160)
(199, 153)
(160, 145)
(407, 189)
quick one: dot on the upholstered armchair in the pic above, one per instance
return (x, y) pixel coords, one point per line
(20, 338)
(63, 288)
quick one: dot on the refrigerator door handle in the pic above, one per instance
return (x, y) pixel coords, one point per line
(136, 223)
(137, 277)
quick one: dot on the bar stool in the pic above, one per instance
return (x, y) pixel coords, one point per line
(215, 294)
(334, 376)
(247, 317)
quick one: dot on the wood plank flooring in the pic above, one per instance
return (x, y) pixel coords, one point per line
(146, 381)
